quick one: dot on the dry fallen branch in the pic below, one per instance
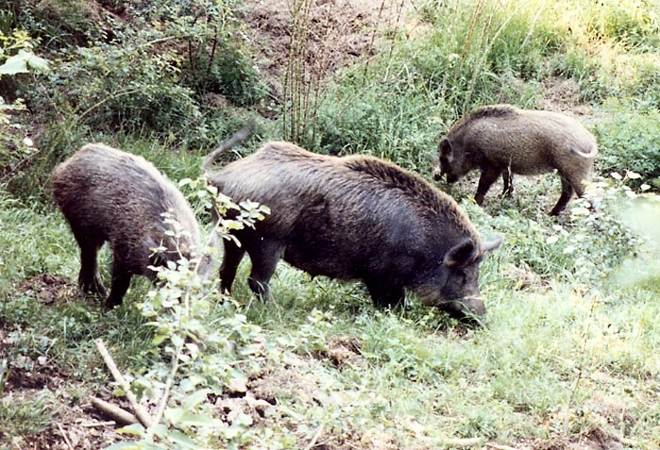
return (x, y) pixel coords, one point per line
(65, 436)
(499, 447)
(108, 423)
(462, 442)
(141, 413)
(115, 413)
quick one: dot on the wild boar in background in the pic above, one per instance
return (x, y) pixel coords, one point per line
(353, 217)
(109, 195)
(502, 139)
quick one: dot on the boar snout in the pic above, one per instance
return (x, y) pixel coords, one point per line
(468, 309)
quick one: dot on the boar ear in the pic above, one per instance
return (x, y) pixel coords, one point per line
(445, 149)
(461, 254)
(492, 244)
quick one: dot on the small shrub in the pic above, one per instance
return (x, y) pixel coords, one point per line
(16, 146)
(210, 347)
(56, 23)
(628, 22)
(630, 141)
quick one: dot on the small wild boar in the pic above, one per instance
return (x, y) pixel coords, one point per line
(109, 195)
(502, 139)
(353, 217)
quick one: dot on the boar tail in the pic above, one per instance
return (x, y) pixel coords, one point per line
(593, 151)
(236, 139)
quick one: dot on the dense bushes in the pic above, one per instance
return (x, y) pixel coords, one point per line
(631, 141)
(136, 68)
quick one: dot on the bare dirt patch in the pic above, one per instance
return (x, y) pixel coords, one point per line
(49, 288)
(46, 414)
(338, 33)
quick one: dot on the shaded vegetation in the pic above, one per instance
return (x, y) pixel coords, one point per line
(569, 356)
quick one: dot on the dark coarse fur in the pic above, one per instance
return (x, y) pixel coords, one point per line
(354, 217)
(109, 195)
(502, 139)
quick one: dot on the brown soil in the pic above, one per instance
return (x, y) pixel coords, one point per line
(340, 32)
(48, 288)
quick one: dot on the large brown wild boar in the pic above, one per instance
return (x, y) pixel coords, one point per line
(354, 217)
(109, 195)
(502, 139)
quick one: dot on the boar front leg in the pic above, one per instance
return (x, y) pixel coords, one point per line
(385, 295)
(121, 280)
(488, 177)
(89, 280)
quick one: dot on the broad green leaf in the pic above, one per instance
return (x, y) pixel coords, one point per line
(136, 430)
(173, 415)
(19, 63)
(159, 338)
(182, 440)
(195, 399)
(123, 446)
(159, 430)
(37, 63)
(198, 420)
(15, 64)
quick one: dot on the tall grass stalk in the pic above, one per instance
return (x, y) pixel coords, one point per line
(296, 80)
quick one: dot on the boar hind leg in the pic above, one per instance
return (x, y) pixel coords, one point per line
(507, 179)
(233, 256)
(89, 280)
(264, 259)
(384, 295)
(488, 177)
(567, 192)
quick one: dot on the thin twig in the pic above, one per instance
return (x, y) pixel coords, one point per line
(462, 442)
(66, 439)
(107, 423)
(141, 413)
(160, 410)
(315, 438)
(499, 446)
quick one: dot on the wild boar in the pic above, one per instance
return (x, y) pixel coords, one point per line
(108, 195)
(502, 139)
(353, 217)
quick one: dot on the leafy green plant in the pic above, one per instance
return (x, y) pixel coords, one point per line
(206, 357)
(22, 417)
(16, 56)
(631, 142)
(214, 50)
(629, 22)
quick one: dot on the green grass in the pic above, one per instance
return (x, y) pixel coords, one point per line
(569, 350)
(24, 415)
(564, 351)
(555, 360)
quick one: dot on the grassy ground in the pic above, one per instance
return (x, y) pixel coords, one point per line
(568, 357)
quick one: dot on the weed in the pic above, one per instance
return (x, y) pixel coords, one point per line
(24, 415)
